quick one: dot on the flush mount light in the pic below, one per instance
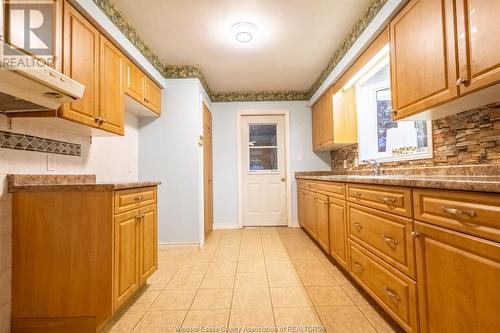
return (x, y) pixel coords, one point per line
(243, 32)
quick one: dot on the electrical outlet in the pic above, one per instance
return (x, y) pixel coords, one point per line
(345, 164)
(51, 163)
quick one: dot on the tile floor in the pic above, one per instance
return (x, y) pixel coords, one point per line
(251, 280)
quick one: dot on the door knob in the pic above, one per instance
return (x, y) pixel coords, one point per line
(283, 179)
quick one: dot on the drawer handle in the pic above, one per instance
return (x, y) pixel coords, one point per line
(359, 267)
(392, 294)
(358, 226)
(459, 212)
(357, 195)
(139, 198)
(390, 241)
(388, 200)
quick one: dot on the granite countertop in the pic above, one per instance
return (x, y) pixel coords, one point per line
(58, 183)
(461, 183)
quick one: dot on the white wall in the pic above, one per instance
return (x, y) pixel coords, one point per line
(112, 159)
(226, 151)
(169, 152)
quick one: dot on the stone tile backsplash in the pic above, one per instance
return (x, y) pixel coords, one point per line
(468, 138)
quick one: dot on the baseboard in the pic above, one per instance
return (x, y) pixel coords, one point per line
(226, 226)
(178, 243)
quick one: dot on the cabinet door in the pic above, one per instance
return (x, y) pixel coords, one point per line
(315, 125)
(135, 82)
(338, 231)
(81, 63)
(126, 253)
(458, 279)
(309, 213)
(153, 96)
(148, 249)
(111, 88)
(300, 206)
(323, 230)
(423, 56)
(478, 43)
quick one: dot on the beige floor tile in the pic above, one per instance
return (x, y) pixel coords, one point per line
(283, 277)
(208, 320)
(252, 320)
(212, 299)
(245, 280)
(358, 296)
(340, 276)
(290, 297)
(222, 267)
(328, 296)
(317, 277)
(179, 299)
(380, 320)
(160, 279)
(297, 320)
(160, 322)
(190, 267)
(144, 301)
(344, 319)
(251, 267)
(125, 323)
(251, 298)
(185, 281)
(218, 281)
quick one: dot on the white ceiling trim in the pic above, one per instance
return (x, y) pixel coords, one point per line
(374, 28)
(94, 13)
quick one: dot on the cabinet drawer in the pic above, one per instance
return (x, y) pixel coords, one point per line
(472, 213)
(395, 292)
(126, 200)
(386, 235)
(332, 189)
(396, 200)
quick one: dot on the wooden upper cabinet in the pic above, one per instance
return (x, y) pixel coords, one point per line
(478, 43)
(141, 88)
(423, 57)
(458, 276)
(135, 82)
(111, 88)
(322, 122)
(153, 96)
(81, 63)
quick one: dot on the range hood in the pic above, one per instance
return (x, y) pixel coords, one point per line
(30, 89)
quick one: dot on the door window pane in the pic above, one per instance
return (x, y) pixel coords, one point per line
(263, 159)
(262, 135)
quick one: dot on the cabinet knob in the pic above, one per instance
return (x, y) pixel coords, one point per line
(358, 226)
(462, 81)
(415, 234)
(98, 120)
(359, 267)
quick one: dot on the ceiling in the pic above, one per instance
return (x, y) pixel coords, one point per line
(294, 42)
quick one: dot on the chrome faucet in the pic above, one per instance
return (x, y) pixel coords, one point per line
(375, 166)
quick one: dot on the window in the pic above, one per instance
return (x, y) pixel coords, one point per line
(379, 137)
(263, 149)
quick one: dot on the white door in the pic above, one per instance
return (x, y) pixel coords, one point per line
(263, 170)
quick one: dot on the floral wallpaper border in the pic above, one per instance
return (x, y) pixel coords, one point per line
(192, 71)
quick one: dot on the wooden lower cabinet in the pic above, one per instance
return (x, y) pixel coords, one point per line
(321, 217)
(126, 239)
(338, 231)
(75, 263)
(394, 291)
(458, 281)
(430, 258)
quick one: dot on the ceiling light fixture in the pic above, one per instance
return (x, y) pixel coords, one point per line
(243, 32)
